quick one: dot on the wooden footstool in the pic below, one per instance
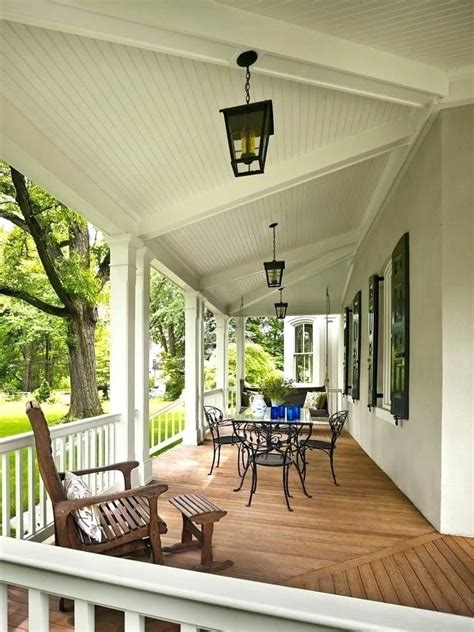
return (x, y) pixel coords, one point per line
(196, 509)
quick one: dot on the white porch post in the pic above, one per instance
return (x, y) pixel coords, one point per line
(142, 354)
(240, 354)
(222, 356)
(193, 368)
(122, 340)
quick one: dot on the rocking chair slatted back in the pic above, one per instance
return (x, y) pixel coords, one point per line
(46, 464)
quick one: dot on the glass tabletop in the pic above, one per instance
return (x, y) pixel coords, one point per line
(248, 415)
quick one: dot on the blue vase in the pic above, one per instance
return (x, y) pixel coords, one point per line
(274, 412)
(281, 412)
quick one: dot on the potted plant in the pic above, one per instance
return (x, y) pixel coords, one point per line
(276, 388)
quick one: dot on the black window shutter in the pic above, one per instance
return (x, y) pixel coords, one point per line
(373, 331)
(356, 341)
(400, 360)
(346, 360)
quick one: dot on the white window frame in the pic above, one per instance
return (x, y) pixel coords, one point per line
(304, 353)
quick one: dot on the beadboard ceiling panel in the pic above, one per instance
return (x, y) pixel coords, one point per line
(146, 126)
(305, 297)
(435, 32)
(308, 213)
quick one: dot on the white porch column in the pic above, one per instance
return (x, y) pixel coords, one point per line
(222, 355)
(142, 355)
(193, 368)
(122, 340)
(240, 354)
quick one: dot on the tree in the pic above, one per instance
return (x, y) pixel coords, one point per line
(167, 330)
(52, 262)
(259, 364)
(267, 331)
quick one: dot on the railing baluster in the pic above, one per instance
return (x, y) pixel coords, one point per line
(38, 610)
(84, 620)
(6, 493)
(107, 454)
(43, 505)
(62, 450)
(19, 493)
(31, 491)
(93, 452)
(134, 621)
(100, 460)
(80, 451)
(87, 454)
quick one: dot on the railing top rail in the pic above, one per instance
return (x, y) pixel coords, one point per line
(168, 408)
(26, 439)
(214, 391)
(245, 596)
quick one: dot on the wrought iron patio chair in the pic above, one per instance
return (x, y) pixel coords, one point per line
(336, 423)
(270, 445)
(215, 421)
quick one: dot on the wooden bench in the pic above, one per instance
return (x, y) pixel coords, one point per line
(196, 509)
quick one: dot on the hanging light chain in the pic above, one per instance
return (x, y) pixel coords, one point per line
(247, 85)
(274, 243)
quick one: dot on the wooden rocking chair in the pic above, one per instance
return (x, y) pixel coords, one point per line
(129, 519)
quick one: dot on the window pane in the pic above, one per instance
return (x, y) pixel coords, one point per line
(308, 338)
(304, 367)
(299, 347)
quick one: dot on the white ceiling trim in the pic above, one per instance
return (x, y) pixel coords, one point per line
(216, 33)
(324, 160)
(295, 276)
(294, 256)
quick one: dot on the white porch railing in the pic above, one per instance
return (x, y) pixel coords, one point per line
(334, 400)
(215, 398)
(193, 600)
(232, 400)
(83, 444)
(166, 426)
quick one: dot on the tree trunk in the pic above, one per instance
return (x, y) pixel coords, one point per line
(82, 363)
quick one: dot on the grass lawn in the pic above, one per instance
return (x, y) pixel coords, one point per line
(13, 419)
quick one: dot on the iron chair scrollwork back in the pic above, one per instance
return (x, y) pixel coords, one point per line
(336, 423)
(271, 445)
(215, 421)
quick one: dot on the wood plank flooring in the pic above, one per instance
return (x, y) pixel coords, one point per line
(364, 539)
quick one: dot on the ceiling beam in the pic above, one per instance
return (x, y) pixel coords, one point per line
(295, 276)
(215, 33)
(303, 168)
(296, 255)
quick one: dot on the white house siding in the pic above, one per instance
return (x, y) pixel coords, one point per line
(412, 454)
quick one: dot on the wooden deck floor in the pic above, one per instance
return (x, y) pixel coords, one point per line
(364, 539)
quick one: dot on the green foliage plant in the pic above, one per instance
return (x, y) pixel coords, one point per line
(276, 388)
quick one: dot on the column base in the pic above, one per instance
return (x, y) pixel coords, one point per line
(194, 436)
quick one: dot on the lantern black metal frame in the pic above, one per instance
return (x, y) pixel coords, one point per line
(274, 269)
(247, 123)
(281, 307)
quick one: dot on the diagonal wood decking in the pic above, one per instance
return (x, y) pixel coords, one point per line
(364, 539)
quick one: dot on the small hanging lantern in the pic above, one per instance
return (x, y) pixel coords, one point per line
(281, 307)
(248, 127)
(274, 269)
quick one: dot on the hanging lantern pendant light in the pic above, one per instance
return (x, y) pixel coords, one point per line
(274, 269)
(248, 127)
(281, 307)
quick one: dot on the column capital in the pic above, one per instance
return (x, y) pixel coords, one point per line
(124, 238)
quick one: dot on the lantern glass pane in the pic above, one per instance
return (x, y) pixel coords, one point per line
(248, 127)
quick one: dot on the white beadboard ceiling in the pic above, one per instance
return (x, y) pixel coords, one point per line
(135, 135)
(147, 126)
(309, 213)
(435, 32)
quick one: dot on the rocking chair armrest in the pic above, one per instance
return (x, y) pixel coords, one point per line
(64, 507)
(125, 467)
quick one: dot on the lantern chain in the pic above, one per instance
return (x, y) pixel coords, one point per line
(274, 243)
(247, 86)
